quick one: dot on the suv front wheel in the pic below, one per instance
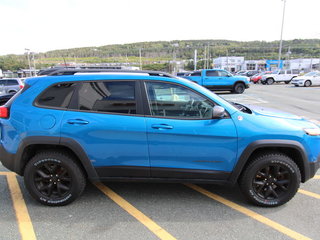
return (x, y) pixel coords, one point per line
(54, 178)
(270, 180)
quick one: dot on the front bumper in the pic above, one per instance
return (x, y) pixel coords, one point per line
(314, 166)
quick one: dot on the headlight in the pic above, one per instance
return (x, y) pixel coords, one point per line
(312, 131)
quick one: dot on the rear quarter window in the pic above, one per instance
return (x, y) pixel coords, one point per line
(56, 96)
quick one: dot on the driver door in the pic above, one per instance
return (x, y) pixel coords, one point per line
(184, 141)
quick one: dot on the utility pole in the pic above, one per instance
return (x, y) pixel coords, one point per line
(34, 65)
(28, 55)
(280, 47)
(195, 59)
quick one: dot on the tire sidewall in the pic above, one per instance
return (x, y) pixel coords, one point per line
(239, 88)
(295, 179)
(34, 192)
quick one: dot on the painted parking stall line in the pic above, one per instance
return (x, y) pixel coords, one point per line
(310, 194)
(24, 221)
(141, 217)
(249, 213)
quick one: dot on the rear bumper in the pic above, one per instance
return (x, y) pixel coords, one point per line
(7, 159)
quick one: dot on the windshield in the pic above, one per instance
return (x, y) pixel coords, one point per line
(311, 74)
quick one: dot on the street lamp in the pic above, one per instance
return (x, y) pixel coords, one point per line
(280, 47)
(28, 55)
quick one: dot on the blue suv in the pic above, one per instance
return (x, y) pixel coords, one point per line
(60, 131)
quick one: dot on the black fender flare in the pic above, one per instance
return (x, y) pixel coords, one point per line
(69, 143)
(269, 143)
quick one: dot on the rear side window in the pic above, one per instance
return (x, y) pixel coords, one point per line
(12, 82)
(212, 73)
(109, 96)
(57, 96)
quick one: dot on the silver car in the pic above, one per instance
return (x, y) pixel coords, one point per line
(10, 85)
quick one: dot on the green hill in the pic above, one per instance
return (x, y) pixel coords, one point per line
(160, 53)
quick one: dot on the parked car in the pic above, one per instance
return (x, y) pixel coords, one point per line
(218, 79)
(60, 131)
(249, 73)
(307, 80)
(5, 98)
(10, 85)
(181, 74)
(285, 76)
(257, 78)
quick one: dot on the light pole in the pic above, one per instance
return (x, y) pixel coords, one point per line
(280, 47)
(28, 55)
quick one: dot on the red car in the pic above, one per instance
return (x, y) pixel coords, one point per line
(256, 78)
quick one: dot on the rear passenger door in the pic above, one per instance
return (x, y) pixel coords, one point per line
(105, 118)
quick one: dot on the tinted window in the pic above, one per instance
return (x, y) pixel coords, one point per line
(57, 96)
(174, 101)
(12, 82)
(195, 74)
(113, 97)
(212, 73)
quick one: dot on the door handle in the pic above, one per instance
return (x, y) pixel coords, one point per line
(77, 121)
(161, 126)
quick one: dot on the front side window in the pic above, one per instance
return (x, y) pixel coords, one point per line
(57, 96)
(223, 74)
(196, 74)
(175, 101)
(109, 96)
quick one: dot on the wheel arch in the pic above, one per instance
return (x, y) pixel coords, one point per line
(32, 145)
(238, 81)
(293, 149)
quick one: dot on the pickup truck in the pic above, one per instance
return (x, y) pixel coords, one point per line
(279, 76)
(218, 79)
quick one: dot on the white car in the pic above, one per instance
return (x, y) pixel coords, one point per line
(307, 80)
(279, 76)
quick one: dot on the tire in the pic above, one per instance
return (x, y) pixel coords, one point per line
(270, 180)
(53, 178)
(12, 92)
(239, 88)
(270, 81)
(307, 83)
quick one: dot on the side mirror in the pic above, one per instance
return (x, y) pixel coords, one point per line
(218, 112)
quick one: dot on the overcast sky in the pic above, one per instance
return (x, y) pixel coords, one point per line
(42, 25)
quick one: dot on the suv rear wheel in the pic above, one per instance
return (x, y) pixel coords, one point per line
(54, 178)
(270, 180)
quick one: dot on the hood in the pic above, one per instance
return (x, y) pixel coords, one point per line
(270, 112)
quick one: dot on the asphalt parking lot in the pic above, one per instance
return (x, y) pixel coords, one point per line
(171, 211)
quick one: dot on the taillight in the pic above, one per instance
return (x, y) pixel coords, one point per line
(4, 113)
(21, 86)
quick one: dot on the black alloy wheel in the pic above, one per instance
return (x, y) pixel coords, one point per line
(54, 178)
(270, 180)
(239, 88)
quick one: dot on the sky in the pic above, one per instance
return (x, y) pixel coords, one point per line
(42, 25)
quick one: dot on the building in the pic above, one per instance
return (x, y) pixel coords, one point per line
(231, 64)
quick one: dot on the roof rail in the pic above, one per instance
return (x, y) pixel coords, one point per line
(61, 72)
